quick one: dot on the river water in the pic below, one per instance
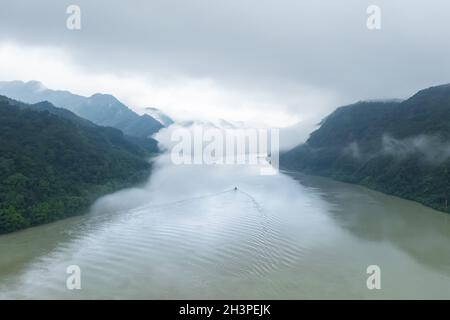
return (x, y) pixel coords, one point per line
(187, 234)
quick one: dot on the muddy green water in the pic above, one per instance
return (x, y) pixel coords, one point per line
(187, 234)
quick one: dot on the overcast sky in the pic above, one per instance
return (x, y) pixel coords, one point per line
(278, 61)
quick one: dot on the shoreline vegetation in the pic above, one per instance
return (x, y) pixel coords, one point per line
(397, 148)
(302, 174)
(442, 207)
(54, 164)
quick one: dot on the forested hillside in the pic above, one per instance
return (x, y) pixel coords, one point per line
(54, 166)
(101, 109)
(400, 148)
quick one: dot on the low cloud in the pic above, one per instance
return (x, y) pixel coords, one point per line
(432, 149)
(353, 150)
(180, 96)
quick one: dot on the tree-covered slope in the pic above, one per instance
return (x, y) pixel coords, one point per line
(400, 148)
(101, 109)
(53, 167)
(145, 144)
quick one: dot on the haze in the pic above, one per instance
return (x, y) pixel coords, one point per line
(274, 62)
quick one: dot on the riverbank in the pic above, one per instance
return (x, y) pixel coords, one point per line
(181, 237)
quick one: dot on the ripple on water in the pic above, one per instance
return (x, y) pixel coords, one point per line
(228, 235)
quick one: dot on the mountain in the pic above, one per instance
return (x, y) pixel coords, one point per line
(101, 109)
(147, 145)
(400, 148)
(157, 114)
(54, 164)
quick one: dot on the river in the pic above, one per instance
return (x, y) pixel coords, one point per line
(187, 234)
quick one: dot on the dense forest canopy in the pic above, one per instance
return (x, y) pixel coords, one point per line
(400, 148)
(53, 164)
(101, 109)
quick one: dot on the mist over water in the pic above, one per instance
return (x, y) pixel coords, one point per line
(188, 234)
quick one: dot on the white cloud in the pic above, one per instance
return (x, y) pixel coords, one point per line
(182, 97)
(431, 148)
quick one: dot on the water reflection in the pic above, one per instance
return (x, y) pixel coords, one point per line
(421, 232)
(188, 234)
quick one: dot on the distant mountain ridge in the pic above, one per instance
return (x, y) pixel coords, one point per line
(397, 147)
(160, 116)
(101, 109)
(146, 145)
